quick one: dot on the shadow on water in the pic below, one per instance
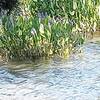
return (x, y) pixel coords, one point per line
(77, 78)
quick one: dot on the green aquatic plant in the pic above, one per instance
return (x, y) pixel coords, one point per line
(47, 27)
(32, 37)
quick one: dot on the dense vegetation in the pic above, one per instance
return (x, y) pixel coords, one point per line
(46, 27)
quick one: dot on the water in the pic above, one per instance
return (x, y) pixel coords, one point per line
(77, 78)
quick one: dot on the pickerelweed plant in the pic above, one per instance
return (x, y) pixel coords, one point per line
(31, 37)
(47, 27)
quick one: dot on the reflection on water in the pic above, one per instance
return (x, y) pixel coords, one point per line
(77, 78)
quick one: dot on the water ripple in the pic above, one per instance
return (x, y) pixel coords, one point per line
(77, 78)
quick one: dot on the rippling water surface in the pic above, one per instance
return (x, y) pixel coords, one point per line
(77, 78)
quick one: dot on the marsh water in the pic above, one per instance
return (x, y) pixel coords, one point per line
(76, 78)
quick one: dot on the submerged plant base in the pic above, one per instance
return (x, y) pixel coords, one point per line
(31, 57)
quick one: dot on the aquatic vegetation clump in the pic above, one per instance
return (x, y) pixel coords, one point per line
(32, 38)
(48, 27)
